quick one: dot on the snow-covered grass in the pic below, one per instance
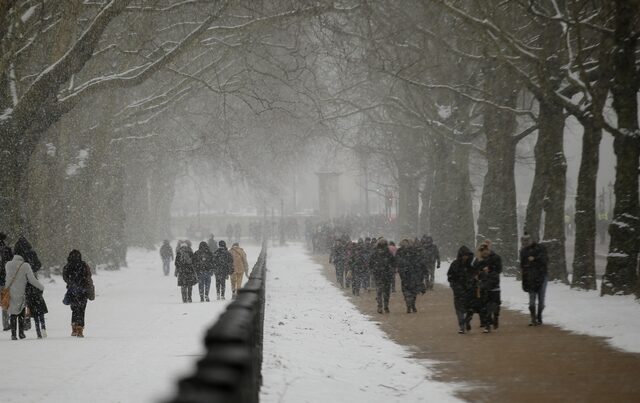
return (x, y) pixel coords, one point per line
(616, 318)
(320, 348)
(139, 338)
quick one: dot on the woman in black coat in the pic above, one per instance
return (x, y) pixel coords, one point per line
(408, 264)
(77, 275)
(203, 262)
(460, 276)
(185, 272)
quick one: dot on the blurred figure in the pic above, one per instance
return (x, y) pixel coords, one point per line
(203, 265)
(393, 249)
(18, 275)
(240, 268)
(460, 277)
(533, 262)
(408, 264)
(185, 271)
(222, 268)
(77, 275)
(489, 265)
(430, 260)
(166, 254)
(211, 242)
(338, 258)
(230, 232)
(381, 264)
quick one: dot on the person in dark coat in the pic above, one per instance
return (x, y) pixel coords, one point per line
(381, 265)
(407, 262)
(338, 258)
(222, 268)
(185, 272)
(494, 265)
(77, 275)
(34, 298)
(489, 266)
(166, 254)
(460, 277)
(358, 266)
(203, 261)
(430, 261)
(6, 255)
(533, 262)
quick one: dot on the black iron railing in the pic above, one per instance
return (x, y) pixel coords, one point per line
(231, 370)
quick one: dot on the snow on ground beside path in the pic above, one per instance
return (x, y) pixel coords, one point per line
(319, 348)
(616, 318)
(139, 338)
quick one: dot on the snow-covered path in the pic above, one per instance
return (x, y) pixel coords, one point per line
(320, 348)
(139, 338)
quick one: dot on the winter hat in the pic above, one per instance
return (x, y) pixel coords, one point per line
(74, 256)
(235, 244)
(526, 238)
(22, 247)
(3, 236)
(222, 244)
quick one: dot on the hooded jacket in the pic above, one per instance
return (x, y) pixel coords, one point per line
(460, 274)
(203, 260)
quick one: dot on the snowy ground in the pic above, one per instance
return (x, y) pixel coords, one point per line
(320, 348)
(139, 338)
(616, 318)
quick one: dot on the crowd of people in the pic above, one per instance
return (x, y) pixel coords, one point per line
(199, 267)
(373, 263)
(23, 293)
(474, 277)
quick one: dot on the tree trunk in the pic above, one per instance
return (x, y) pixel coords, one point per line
(497, 219)
(552, 132)
(450, 205)
(621, 273)
(584, 264)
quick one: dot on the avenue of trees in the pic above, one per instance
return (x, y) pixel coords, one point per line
(103, 105)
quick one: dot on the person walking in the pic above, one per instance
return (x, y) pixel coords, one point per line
(408, 264)
(230, 232)
(222, 268)
(460, 277)
(77, 275)
(185, 272)
(240, 268)
(533, 263)
(489, 266)
(337, 257)
(18, 275)
(381, 264)
(430, 261)
(203, 265)
(393, 249)
(166, 254)
(211, 242)
(30, 256)
(6, 255)
(494, 270)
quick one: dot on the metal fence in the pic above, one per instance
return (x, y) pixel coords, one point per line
(231, 370)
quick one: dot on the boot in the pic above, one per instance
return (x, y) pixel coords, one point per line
(21, 329)
(540, 309)
(13, 325)
(532, 311)
(413, 308)
(495, 322)
(74, 330)
(80, 330)
(409, 309)
(379, 309)
(386, 309)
